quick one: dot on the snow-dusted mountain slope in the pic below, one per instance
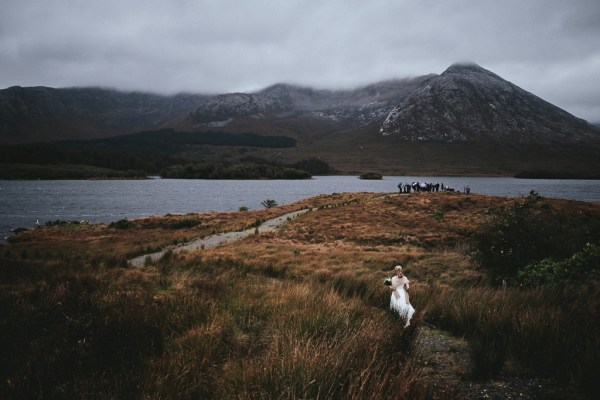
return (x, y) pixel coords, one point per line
(469, 103)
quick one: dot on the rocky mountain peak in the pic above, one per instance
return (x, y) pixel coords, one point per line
(471, 73)
(466, 68)
(279, 89)
(468, 103)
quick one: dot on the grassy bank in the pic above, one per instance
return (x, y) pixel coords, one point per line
(297, 313)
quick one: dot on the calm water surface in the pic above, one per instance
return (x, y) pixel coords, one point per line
(22, 203)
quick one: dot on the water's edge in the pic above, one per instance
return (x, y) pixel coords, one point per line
(23, 204)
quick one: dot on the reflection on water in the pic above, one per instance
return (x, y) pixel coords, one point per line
(22, 203)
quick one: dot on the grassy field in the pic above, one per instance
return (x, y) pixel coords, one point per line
(299, 313)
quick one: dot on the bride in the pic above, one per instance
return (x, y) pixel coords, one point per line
(399, 301)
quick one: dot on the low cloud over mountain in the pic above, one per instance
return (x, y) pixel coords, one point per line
(491, 120)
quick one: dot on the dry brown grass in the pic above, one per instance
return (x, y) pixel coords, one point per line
(103, 242)
(300, 312)
(372, 234)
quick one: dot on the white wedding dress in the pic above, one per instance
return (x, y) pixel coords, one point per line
(398, 299)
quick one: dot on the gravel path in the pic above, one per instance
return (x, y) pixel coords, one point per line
(218, 239)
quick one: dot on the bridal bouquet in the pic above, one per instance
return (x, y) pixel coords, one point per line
(387, 281)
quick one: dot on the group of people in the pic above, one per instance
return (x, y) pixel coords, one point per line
(406, 187)
(400, 301)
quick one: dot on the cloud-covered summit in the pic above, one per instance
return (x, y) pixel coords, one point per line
(547, 46)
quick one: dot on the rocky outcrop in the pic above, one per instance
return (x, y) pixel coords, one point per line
(223, 108)
(359, 106)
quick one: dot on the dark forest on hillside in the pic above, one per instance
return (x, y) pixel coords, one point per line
(164, 152)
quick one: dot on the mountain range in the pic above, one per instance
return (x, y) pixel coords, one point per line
(466, 120)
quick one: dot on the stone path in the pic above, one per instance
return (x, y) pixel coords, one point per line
(218, 239)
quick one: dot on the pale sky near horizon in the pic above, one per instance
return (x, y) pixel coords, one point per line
(550, 48)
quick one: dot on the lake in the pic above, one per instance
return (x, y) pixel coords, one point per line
(22, 203)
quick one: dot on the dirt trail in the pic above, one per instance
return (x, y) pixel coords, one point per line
(218, 239)
(446, 360)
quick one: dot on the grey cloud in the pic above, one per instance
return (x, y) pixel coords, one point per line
(548, 47)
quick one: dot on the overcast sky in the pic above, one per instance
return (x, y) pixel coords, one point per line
(548, 47)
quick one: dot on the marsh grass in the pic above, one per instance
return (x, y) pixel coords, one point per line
(548, 330)
(189, 328)
(296, 313)
(125, 239)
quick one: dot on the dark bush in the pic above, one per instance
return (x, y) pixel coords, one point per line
(121, 224)
(313, 165)
(528, 231)
(185, 222)
(237, 171)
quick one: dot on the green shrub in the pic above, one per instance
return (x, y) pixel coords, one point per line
(582, 266)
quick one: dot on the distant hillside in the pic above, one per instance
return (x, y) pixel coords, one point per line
(39, 114)
(139, 150)
(164, 138)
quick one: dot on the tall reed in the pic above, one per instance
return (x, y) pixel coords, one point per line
(197, 328)
(553, 331)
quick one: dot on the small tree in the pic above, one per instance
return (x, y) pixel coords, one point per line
(269, 203)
